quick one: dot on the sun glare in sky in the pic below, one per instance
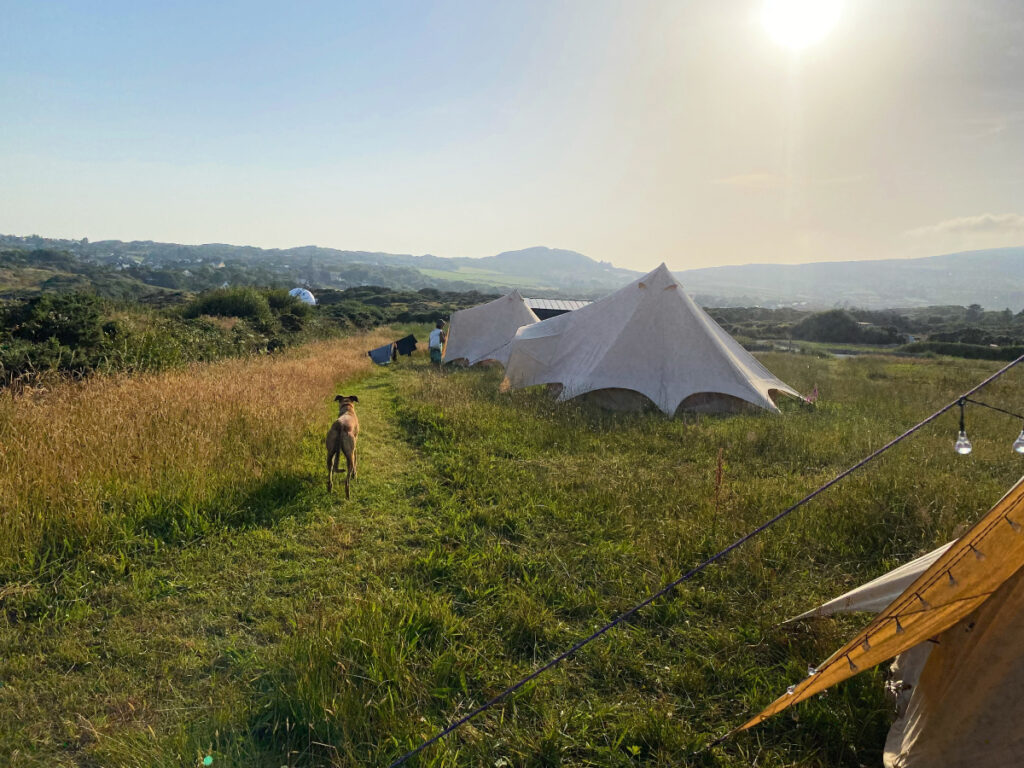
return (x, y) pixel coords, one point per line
(797, 24)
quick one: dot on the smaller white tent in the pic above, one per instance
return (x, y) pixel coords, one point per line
(485, 332)
(302, 295)
(647, 340)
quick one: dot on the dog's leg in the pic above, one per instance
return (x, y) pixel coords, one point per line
(348, 447)
(332, 462)
(350, 464)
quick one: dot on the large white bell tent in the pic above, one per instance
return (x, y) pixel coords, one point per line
(484, 333)
(647, 341)
(303, 295)
(954, 621)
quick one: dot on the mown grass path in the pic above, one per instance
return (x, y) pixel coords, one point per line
(485, 533)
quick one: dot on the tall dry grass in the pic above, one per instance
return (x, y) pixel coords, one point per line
(167, 453)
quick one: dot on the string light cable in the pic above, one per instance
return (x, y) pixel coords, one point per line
(963, 444)
(625, 615)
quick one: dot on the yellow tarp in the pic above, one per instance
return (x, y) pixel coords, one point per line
(964, 709)
(954, 586)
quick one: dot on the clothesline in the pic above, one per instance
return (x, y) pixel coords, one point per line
(388, 353)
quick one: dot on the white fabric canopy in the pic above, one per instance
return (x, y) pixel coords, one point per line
(485, 332)
(648, 338)
(877, 594)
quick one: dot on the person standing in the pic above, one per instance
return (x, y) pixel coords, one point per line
(437, 343)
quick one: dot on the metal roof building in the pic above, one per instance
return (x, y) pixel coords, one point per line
(545, 308)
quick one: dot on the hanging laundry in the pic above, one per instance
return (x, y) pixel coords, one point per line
(381, 355)
(407, 345)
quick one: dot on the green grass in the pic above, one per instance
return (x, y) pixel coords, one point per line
(476, 275)
(486, 532)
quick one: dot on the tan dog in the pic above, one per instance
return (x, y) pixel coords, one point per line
(341, 438)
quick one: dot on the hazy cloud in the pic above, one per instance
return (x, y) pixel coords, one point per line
(988, 224)
(966, 233)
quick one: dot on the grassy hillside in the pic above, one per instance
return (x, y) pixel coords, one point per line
(488, 277)
(202, 267)
(179, 583)
(29, 273)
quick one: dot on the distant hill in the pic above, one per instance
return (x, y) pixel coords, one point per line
(25, 273)
(991, 278)
(543, 271)
(539, 268)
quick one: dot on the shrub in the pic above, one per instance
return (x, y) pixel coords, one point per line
(73, 319)
(246, 303)
(839, 326)
(282, 302)
(969, 351)
(357, 314)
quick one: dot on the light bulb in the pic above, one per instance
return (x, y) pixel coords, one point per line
(1018, 444)
(962, 445)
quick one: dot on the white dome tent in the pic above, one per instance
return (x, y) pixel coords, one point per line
(484, 333)
(649, 341)
(303, 295)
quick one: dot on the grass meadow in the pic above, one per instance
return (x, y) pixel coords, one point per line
(488, 277)
(176, 583)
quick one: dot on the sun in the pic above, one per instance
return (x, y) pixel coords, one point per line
(797, 24)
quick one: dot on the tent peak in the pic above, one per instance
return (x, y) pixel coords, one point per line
(659, 277)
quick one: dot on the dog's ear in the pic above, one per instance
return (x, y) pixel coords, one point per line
(353, 398)
(338, 398)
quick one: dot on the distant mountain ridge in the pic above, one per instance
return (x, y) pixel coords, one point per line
(539, 270)
(992, 278)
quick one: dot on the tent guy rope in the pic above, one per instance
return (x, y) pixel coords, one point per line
(700, 567)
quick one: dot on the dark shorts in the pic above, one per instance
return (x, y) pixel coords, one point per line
(435, 355)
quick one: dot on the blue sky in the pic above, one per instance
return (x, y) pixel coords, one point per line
(633, 132)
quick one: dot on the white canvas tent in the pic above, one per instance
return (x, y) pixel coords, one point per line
(955, 629)
(485, 332)
(647, 340)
